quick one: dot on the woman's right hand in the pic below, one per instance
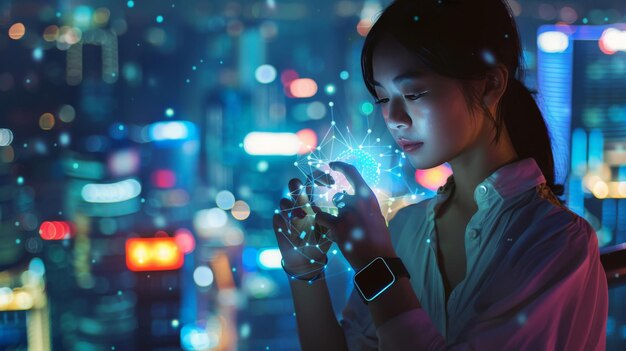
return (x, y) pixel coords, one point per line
(302, 243)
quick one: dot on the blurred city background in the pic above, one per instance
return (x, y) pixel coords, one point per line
(144, 146)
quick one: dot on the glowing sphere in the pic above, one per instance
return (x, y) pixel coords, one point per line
(365, 163)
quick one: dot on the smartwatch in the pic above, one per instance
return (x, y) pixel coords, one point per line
(380, 274)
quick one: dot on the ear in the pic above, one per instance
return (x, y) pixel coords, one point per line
(495, 85)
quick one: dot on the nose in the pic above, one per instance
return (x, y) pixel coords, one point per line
(396, 116)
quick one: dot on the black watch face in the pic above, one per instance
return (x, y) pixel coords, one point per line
(374, 279)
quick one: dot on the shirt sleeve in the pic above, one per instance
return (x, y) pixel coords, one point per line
(357, 323)
(358, 326)
(548, 294)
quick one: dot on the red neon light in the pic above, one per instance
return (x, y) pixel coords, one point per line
(164, 178)
(153, 254)
(55, 230)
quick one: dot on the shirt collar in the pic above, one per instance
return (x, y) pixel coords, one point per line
(507, 181)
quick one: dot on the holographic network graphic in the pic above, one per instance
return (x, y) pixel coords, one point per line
(376, 162)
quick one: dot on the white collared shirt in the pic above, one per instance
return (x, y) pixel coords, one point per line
(533, 277)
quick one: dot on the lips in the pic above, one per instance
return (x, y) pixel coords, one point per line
(412, 147)
(408, 145)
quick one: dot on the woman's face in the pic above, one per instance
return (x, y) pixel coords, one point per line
(428, 108)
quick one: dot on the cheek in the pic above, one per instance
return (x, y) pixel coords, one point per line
(385, 112)
(450, 124)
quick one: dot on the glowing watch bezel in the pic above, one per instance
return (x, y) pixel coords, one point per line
(393, 280)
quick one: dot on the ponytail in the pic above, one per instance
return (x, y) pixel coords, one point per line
(527, 129)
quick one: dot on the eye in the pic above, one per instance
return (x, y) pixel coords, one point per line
(415, 96)
(411, 97)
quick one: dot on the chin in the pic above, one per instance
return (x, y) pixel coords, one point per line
(424, 163)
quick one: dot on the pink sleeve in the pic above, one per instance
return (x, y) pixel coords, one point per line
(401, 333)
(553, 297)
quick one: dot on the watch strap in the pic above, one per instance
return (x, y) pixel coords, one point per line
(397, 267)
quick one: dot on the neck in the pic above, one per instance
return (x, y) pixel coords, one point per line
(471, 168)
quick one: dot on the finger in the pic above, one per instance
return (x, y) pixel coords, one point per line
(298, 192)
(287, 209)
(285, 204)
(323, 179)
(309, 188)
(328, 221)
(293, 218)
(325, 243)
(316, 209)
(320, 231)
(321, 236)
(280, 229)
(353, 176)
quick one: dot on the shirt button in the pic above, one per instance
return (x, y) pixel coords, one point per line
(482, 189)
(473, 234)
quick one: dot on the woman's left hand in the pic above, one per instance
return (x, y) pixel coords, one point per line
(360, 230)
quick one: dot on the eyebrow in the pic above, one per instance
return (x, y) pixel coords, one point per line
(403, 77)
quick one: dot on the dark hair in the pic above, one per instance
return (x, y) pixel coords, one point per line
(462, 39)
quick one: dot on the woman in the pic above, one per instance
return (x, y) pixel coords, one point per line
(494, 261)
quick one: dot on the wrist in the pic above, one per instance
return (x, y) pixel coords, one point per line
(308, 273)
(359, 264)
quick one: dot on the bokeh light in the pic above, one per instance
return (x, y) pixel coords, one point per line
(132, 196)
(6, 136)
(316, 110)
(225, 200)
(67, 113)
(207, 221)
(303, 88)
(17, 31)
(51, 33)
(203, 276)
(265, 74)
(433, 178)
(240, 210)
(330, 89)
(46, 121)
(308, 140)
(185, 240)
